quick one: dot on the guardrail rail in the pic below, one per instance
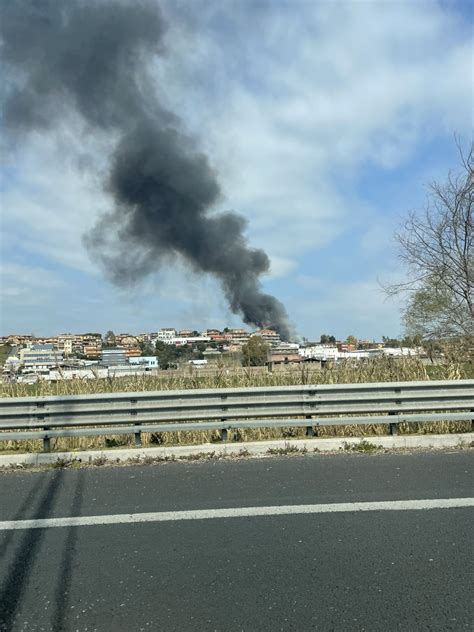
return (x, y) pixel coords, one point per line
(229, 409)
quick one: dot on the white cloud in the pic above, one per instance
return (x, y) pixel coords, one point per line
(302, 97)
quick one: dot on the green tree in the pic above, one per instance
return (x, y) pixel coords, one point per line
(200, 348)
(436, 246)
(325, 339)
(110, 340)
(147, 349)
(351, 340)
(4, 352)
(411, 341)
(255, 352)
(166, 354)
(170, 356)
(390, 342)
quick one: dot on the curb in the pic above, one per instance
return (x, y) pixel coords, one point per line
(255, 448)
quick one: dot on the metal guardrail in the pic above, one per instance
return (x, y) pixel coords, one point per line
(227, 409)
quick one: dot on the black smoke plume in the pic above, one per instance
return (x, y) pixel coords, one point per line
(91, 57)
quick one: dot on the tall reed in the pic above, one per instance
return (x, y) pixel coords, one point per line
(372, 370)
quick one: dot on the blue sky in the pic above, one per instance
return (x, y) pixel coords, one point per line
(324, 120)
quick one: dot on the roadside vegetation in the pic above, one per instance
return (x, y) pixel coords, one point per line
(4, 353)
(374, 370)
(383, 369)
(365, 447)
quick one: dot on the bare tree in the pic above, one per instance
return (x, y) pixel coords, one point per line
(436, 247)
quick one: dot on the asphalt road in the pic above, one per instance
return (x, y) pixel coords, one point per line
(380, 570)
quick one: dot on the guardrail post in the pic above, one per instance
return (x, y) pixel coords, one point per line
(309, 429)
(138, 438)
(393, 427)
(224, 434)
(46, 442)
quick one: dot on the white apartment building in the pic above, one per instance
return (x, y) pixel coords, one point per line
(179, 341)
(166, 334)
(65, 343)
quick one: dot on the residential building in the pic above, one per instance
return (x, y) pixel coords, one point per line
(133, 352)
(345, 346)
(270, 336)
(286, 347)
(370, 344)
(237, 336)
(88, 345)
(166, 334)
(19, 339)
(218, 338)
(65, 343)
(178, 341)
(91, 351)
(44, 341)
(211, 333)
(127, 341)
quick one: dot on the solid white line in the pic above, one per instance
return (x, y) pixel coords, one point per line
(238, 512)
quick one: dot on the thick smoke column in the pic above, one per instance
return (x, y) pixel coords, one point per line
(90, 58)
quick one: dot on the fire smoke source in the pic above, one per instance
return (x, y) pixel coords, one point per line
(91, 58)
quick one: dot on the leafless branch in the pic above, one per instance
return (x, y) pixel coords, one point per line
(436, 247)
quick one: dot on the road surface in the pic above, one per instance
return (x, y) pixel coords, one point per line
(407, 568)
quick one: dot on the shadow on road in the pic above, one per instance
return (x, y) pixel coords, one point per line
(16, 580)
(63, 584)
(20, 514)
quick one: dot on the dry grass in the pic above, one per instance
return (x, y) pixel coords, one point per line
(348, 372)
(376, 370)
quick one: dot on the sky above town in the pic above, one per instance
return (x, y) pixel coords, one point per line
(324, 122)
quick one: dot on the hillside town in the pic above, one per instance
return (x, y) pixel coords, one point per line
(28, 358)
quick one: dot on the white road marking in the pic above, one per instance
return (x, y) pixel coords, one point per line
(238, 512)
